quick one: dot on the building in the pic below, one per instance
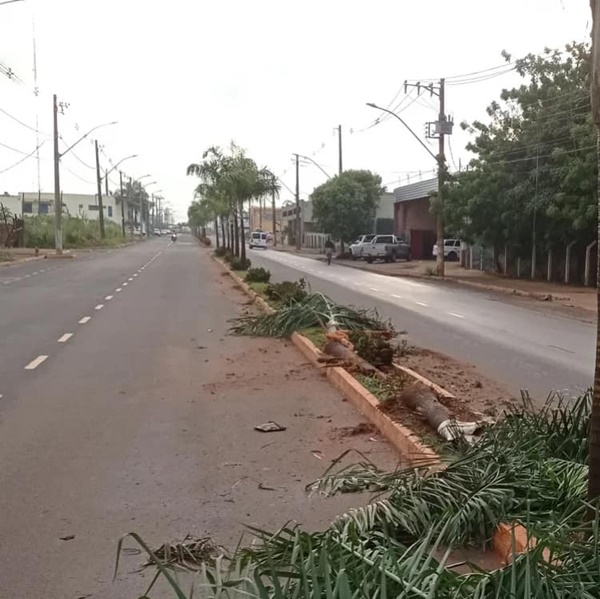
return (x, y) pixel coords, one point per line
(78, 205)
(263, 219)
(413, 219)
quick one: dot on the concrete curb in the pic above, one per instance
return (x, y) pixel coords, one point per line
(23, 261)
(401, 437)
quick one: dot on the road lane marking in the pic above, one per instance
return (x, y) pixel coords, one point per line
(130, 279)
(99, 307)
(35, 363)
(422, 304)
(456, 315)
(373, 289)
(85, 319)
(135, 274)
(396, 296)
(118, 289)
(65, 338)
(125, 284)
(108, 297)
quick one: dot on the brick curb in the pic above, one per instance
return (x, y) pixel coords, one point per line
(401, 437)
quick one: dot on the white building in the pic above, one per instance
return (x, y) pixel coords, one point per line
(79, 205)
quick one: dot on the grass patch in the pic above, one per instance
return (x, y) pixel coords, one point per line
(260, 288)
(240, 273)
(6, 256)
(316, 335)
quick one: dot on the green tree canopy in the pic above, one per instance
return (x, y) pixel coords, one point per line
(535, 161)
(345, 206)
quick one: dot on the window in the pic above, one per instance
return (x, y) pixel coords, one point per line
(110, 211)
(385, 239)
(93, 207)
(44, 208)
(27, 207)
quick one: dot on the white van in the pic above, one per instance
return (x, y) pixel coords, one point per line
(258, 239)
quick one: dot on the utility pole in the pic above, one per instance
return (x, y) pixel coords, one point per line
(129, 194)
(99, 182)
(339, 130)
(106, 182)
(298, 215)
(122, 203)
(441, 128)
(274, 214)
(440, 266)
(534, 230)
(58, 239)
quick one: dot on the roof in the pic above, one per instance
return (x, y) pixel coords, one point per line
(415, 191)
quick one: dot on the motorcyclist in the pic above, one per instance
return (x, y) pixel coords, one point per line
(173, 236)
(329, 247)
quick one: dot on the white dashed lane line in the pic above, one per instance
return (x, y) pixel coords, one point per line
(396, 296)
(125, 284)
(130, 279)
(456, 315)
(64, 338)
(118, 289)
(35, 363)
(108, 298)
(85, 319)
(99, 307)
(422, 304)
(374, 289)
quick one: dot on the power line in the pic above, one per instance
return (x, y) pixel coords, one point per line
(23, 159)
(78, 176)
(14, 118)
(76, 156)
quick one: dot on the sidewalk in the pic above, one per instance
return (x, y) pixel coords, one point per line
(583, 298)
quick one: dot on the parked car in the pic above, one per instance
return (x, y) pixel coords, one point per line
(388, 248)
(356, 246)
(258, 239)
(452, 249)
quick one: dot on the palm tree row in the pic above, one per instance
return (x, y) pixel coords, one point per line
(228, 182)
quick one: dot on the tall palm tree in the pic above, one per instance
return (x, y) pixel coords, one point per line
(594, 433)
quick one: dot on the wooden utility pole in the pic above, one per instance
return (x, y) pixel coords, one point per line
(594, 430)
(58, 238)
(99, 183)
(106, 182)
(298, 215)
(339, 129)
(122, 203)
(440, 263)
(274, 214)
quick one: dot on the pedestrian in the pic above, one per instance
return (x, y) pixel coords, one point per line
(329, 247)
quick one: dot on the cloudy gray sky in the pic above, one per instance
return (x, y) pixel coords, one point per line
(276, 76)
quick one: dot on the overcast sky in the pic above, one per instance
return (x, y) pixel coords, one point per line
(276, 76)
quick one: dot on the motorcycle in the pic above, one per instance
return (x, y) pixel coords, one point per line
(173, 238)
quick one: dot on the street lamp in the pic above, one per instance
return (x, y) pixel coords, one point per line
(10, 1)
(316, 164)
(440, 162)
(58, 238)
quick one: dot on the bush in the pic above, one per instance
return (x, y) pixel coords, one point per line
(221, 252)
(205, 241)
(258, 275)
(239, 263)
(287, 292)
(77, 232)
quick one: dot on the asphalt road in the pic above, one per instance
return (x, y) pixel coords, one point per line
(125, 406)
(517, 345)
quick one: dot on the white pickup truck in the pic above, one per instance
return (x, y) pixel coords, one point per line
(388, 248)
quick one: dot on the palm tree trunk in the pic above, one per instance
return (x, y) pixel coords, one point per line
(223, 234)
(236, 237)
(243, 233)
(217, 231)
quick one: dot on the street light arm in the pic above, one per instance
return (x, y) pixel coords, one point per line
(84, 136)
(10, 1)
(372, 105)
(116, 165)
(316, 164)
